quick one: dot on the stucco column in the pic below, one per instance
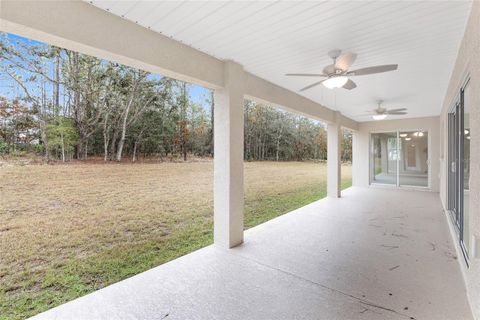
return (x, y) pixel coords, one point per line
(333, 159)
(228, 158)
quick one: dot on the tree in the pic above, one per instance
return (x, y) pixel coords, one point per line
(62, 136)
(346, 145)
(113, 111)
(18, 125)
(133, 85)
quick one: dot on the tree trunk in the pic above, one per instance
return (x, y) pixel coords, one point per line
(78, 149)
(113, 144)
(124, 126)
(56, 91)
(136, 84)
(75, 65)
(43, 124)
(184, 153)
(63, 147)
(105, 139)
(183, 123)
(134, 151)
(212, 124)
(122, 136)
(278, 148)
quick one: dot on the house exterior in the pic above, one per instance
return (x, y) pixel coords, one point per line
(438, 152)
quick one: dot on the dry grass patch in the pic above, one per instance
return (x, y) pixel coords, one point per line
(67, 230)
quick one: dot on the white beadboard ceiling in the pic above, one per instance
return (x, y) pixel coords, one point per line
(271, 38)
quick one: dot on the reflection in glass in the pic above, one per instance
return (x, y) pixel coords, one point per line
(413, 158)
(384, 158)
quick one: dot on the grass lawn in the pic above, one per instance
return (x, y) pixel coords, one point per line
(67, 230)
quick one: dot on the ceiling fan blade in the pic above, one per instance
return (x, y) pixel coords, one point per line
(397, 112)
(345, 61)
(349, 85)
(372, 70)
(329, 69)
(398, 109)
(312, 85)
(370, 112)
(306, 75)
(364, 115)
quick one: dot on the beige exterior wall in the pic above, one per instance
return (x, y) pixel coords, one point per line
(361, 145)
(467, 66)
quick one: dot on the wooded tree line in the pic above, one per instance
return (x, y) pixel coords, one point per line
(66, 105)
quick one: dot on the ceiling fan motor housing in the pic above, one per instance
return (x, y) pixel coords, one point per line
(334, 54)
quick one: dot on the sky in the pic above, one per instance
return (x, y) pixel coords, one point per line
(198, 94)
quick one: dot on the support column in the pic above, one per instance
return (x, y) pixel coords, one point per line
(334, 144)
(361, 159)
(228, 158)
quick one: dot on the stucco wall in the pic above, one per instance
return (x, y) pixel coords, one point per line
(361, 145)
(467, 65)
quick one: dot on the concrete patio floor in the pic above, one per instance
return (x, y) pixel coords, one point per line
(373, 254)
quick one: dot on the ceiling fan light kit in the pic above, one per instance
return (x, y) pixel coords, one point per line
(379, 116)
(335, 82)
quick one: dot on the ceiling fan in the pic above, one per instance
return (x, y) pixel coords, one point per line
(381, 113)
(337, 74)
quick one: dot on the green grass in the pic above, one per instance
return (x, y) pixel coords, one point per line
(40, 290)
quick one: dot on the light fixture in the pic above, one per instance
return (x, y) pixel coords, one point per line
(420, 134)
(466, 131)
(468, 137)
(403, 135)
(379, 116)
(408, 139)
(335, 82)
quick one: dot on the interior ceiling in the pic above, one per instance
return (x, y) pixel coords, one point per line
(273, 38)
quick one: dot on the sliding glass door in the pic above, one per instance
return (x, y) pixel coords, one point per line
(399, 158)
(466, 166)
(458, 157)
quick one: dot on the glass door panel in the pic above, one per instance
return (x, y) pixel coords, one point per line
(459, 167)
(413, 158)
(383, 158)
(451, 165)
(466, 166)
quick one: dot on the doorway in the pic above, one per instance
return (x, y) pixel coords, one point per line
(400, 158)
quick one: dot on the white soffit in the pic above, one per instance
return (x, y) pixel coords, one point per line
(271, 38)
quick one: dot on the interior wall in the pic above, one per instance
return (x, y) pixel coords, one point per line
(467, 66)
(361, 145)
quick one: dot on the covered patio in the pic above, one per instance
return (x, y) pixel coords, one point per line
(365, 253)
(373, 254)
